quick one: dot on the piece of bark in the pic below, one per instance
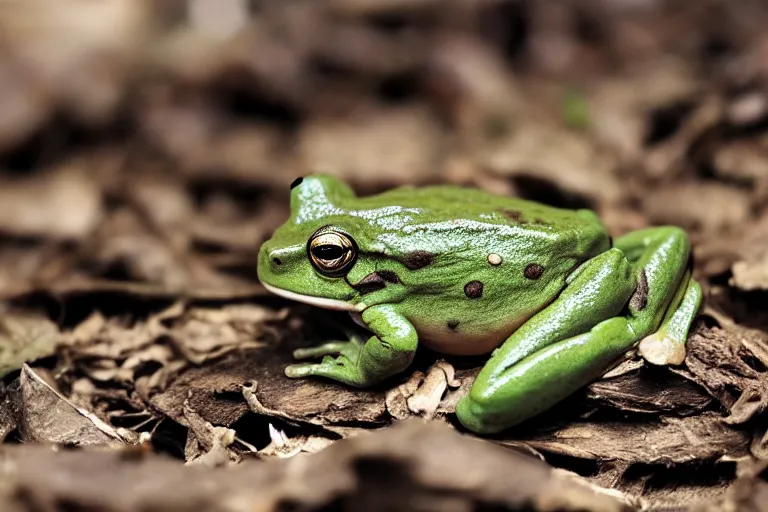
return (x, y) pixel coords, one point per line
(668, 441)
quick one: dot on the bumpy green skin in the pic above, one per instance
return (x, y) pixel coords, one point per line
(470, 273)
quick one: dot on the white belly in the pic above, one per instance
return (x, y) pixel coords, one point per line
(463, 342)
(459, 342)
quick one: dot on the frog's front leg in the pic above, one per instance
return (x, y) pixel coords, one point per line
(388, 352)
(578, 337)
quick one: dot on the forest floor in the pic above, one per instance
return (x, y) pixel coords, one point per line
(146, 149)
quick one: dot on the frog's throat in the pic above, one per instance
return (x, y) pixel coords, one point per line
(322, 302)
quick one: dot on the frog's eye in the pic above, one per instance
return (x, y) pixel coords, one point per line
(332, 252)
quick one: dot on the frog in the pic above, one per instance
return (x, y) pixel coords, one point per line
(541, 294)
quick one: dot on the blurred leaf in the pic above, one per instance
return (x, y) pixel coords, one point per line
(25, 337)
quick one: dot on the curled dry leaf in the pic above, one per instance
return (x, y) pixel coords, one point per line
(283, 447)
(422, 394)
(48, 417)
(218, 454)
(203, 334)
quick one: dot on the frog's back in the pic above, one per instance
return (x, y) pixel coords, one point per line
(440, 202)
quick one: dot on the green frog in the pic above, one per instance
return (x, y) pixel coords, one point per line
(545, 291)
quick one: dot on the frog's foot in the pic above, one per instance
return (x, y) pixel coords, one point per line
(361, 363)
(341, 368)
(667, 345)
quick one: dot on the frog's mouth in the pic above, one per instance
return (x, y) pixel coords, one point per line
(322, 302)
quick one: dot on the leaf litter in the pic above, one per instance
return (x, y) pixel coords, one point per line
(141, 166)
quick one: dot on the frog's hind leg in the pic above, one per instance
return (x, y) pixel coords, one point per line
(560, 349)
(668, 299)
(609, 304)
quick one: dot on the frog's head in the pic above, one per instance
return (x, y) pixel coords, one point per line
(308, 258)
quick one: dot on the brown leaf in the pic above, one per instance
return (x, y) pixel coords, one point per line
(64, 204)
(203, 334)
(24, 337)
(48, 417)
(711, 207)
(573, 168)
(382, 147)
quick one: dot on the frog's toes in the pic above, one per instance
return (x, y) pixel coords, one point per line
(299, 371)
(326, 349)
(661, 349)
(328, 363)
(340, 369)
(351, 349)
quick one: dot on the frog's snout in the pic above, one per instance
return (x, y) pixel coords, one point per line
(275, 260)
(270, 258)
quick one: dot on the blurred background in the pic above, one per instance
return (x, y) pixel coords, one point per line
(148, 146)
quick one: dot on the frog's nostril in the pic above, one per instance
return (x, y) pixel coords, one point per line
(277, 261)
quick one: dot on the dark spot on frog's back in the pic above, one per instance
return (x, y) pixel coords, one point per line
(417, 259)
(533, 271)
(473, 289)
(452, 324)
(296, 182)
(517, 217)
(389, 276)
(512, 215)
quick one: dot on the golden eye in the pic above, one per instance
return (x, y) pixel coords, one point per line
(331, 252)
